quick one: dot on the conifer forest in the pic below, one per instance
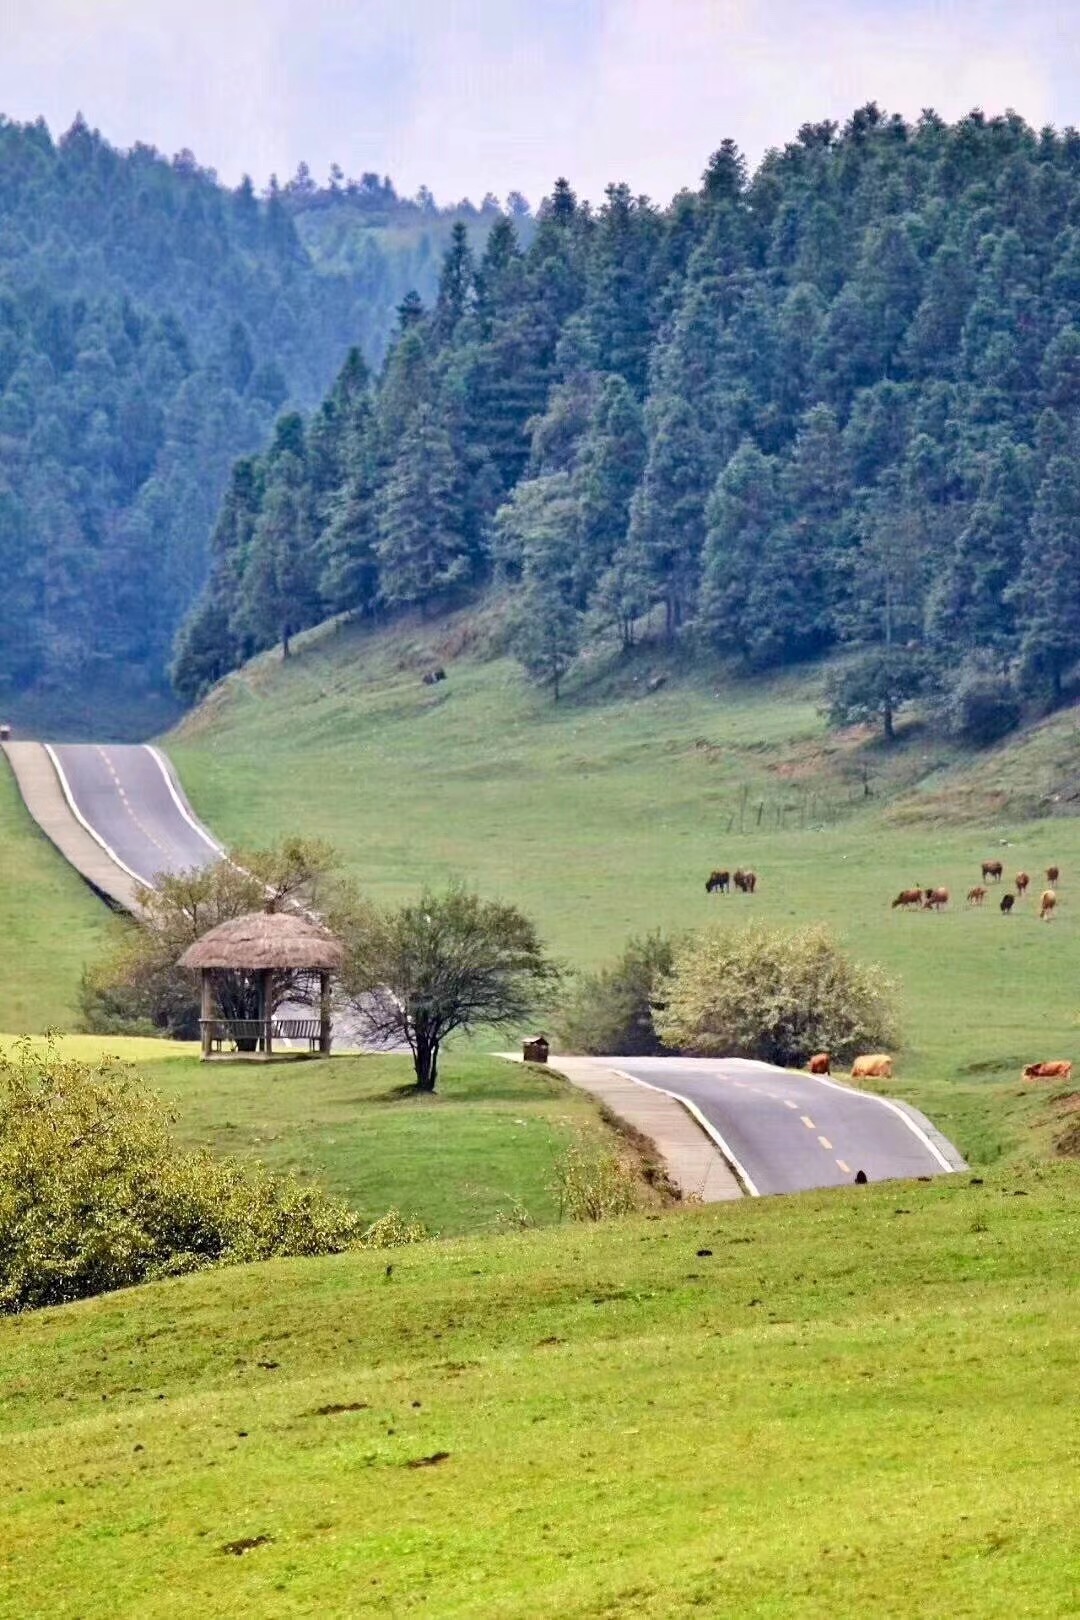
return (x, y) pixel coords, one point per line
(827, 404)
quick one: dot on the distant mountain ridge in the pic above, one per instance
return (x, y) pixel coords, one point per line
(152, 326)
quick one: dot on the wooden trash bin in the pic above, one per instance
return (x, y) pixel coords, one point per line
(536, 1050)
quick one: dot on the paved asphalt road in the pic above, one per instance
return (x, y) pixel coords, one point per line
(126, 797)
(783, 1131)
(787, 1132)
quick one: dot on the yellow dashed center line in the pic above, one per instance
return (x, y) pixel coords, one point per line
(789, 1104)
(124, 798)
(808, 1122)
(846, 1168)
(824, 1140)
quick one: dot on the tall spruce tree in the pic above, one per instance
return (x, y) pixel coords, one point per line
(421, 547)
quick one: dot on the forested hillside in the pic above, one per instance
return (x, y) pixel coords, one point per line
(832, 402)
(153, 324)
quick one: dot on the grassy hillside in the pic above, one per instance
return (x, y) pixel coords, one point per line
(50, 922)
(837, 1403)
(603, 815)
(481, 1152)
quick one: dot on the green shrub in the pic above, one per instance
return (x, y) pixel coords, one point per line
(95, 1194)
(774, 994)
(981, 706)
(612, 1011)
(592, 1185)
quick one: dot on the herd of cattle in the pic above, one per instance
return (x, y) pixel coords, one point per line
(879, 1065)
(992, 872)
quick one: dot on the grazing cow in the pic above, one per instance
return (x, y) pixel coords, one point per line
(1022, 881)
(991, 871)
(1052, 875)
(1047, 904)
(877, 1066)
(908, 897)
(820, 1063)
(935, 899)
(745, 882)
(976, 896)
(1058, 1070)
(717, 880)
(1007, 903)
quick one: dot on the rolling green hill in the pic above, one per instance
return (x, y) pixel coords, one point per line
(839, 1403)
(604, 813)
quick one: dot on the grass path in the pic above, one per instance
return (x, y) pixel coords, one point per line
(831, 1404)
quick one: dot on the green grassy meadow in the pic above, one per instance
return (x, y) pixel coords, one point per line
(51, 924)
(829, 1404)
(602, 815)
(479, 1154)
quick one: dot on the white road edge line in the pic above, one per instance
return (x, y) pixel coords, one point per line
(871, 1096)
(741, 1173)
(178, 801)
(65, 788)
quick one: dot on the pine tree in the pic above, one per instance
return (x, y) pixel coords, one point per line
(667, 516)
(610, 462)
(1049, 587)
(421, 546)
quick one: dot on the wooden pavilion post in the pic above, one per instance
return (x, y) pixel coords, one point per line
(206, 1012)
(266, 1009)
(324, 1013)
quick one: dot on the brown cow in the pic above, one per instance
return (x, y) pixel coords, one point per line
(745, 882)
(717, 880)
(1047, 904)
(1058, 1070)
(908, 897)
(1052, 874)
(976, 896)
(991, 871)
(877, 1066)
(1022, 881)
(1007, 903)
(820, 1063)
(934, 899)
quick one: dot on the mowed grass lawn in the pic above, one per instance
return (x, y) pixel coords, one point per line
(480, 1153)
(835, 1404)
(602, 816)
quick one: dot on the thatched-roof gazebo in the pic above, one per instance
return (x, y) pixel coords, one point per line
(263, 944)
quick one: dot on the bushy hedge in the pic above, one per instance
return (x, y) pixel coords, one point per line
(611, 1011)
(96, 1195)
(772, 993)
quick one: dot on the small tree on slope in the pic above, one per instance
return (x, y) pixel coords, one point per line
(445, 962)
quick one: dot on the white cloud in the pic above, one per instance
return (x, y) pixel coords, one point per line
(470, 94)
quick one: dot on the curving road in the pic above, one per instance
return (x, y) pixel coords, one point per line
(784, 1131)
(127, 798)
(781, 1131)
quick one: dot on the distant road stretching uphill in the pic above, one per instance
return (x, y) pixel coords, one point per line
(117, 812)
(783, 1131)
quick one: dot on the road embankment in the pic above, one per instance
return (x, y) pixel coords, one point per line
(44, 796)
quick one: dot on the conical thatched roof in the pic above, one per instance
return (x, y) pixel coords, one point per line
(276, 939)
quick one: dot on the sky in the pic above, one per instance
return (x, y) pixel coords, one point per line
(470, 96)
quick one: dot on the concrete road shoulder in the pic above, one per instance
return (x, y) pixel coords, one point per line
(694, 1163)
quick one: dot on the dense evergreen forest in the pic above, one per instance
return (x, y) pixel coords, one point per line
(831, 402)
(153, 325)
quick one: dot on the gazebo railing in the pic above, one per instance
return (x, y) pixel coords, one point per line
(255, 1031)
